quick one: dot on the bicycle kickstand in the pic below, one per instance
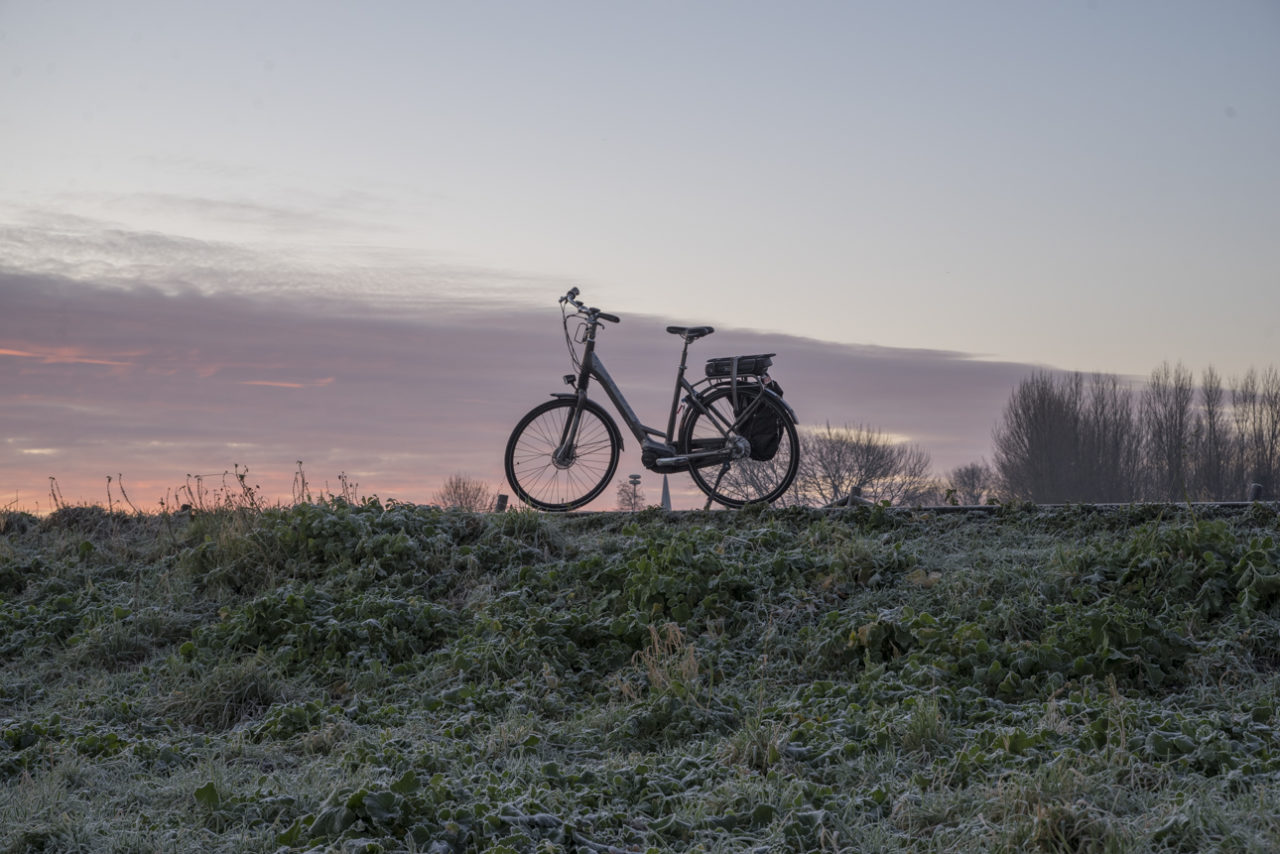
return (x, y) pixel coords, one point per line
(724, 467)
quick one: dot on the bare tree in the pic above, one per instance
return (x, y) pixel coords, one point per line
(1110, 450)
(466, 493)
(1037, 441)
(1061, 441)
(1167, 421)
(971, 484)
(911, 482)
(834, 461)
(1255, 404)
(1213, 445)
(630, 497)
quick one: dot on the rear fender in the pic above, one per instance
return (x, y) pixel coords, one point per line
(764, 388)
(783, 403)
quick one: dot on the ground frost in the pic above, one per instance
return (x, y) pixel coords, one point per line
(339, 677)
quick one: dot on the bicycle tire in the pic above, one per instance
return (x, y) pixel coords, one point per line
(534, 475)
(742, 481)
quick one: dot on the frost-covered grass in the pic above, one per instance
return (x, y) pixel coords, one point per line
(339, 677)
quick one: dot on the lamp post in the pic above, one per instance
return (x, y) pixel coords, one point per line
(635, 490)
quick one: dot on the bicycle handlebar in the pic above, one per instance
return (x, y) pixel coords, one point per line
(592, 314)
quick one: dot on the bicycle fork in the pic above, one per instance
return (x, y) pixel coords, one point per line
(567, 451)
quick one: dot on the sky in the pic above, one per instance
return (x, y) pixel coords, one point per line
(333, 231)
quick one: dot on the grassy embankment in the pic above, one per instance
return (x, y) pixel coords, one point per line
(332, 677)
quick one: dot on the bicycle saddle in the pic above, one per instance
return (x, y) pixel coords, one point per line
(691, 332)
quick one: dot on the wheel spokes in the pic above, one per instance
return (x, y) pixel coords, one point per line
(567, 481)
(745, 480)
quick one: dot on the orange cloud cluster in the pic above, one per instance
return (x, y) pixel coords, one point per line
(278, 384)
(62, 356)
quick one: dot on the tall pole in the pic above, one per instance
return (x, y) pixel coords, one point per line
(635, 487)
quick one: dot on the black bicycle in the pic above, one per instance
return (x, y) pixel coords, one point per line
(736, 438)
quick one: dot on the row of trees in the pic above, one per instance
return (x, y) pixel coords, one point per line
(1064, 438)
(1071, 438)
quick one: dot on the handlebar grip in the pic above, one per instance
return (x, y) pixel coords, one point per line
(612, 318)
(573, 293)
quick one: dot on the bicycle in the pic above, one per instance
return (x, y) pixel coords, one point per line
(736, 438)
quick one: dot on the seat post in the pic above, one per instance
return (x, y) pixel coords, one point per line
(675, 394)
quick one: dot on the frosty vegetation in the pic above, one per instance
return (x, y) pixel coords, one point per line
(381, 677)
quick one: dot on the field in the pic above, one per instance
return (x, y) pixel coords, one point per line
(363, 678)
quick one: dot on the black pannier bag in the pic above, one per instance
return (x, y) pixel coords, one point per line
(763, 428)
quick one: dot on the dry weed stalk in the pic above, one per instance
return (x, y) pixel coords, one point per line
(56, 494)
(670, 661)
(301, 489)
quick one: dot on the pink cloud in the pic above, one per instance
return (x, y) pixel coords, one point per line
(280, 384)
(272, 384)
(62, 356)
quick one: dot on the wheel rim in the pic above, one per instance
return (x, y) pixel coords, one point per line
(543, 481)
(745, 480)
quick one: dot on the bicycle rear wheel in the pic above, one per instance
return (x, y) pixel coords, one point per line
(746, 480)
(546, 483)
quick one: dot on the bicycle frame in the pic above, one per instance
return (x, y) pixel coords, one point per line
(665, 454)
(592, 367)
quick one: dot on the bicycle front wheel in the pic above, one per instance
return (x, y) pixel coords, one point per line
(746, 480)
(580, 475)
